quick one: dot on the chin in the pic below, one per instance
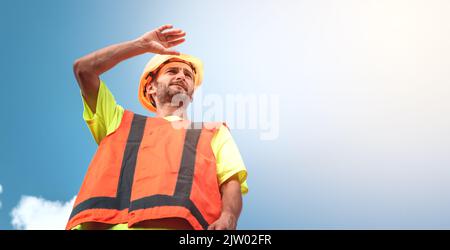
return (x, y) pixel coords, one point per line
(175, 93)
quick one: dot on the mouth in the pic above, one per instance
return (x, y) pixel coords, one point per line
(180, 85)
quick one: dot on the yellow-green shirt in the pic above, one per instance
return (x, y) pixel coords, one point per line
(109, 114)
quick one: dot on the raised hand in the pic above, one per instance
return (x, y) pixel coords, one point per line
(160, 40)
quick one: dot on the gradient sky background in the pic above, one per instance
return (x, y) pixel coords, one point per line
(364, 101)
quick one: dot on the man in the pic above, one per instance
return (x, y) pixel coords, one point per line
(161, 172)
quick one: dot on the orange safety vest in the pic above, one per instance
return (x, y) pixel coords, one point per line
(148, 169)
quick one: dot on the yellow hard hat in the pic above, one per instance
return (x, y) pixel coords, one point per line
(155, 63)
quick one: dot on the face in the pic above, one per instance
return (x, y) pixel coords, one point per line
(174, 79)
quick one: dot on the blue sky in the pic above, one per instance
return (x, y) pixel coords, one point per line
(363, 101)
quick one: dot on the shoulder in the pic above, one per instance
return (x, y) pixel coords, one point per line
(215, 125)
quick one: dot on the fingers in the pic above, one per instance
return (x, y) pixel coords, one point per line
(172, 35)
(175, 42)
(170, 38)
(173, 32)
(164, 27)
(170, 52)
(175, 37)
(217, 226)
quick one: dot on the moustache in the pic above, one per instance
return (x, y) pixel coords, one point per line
(181, 83)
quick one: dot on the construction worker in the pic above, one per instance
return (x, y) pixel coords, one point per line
(161, 172)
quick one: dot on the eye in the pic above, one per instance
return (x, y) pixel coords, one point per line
(188, 74)
(173, 71)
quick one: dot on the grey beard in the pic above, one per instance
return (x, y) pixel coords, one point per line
(173, 97)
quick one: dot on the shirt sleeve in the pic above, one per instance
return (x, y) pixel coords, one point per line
(228, 158)
(108, 114)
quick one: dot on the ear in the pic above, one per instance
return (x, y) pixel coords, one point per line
(150, 88)
(150, 91)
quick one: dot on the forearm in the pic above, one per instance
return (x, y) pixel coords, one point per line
(231, 198)
(104, 59)
(231, 205)
(88, 68)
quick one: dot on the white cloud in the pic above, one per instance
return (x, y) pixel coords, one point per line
(38, 213)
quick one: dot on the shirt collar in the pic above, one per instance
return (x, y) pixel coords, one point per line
(172, 118)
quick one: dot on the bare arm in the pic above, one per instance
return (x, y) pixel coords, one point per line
(87, 69)
(231, 205)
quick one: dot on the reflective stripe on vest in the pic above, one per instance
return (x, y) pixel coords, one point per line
(183, 185)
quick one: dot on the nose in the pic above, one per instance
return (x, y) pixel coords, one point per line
(180, 75)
